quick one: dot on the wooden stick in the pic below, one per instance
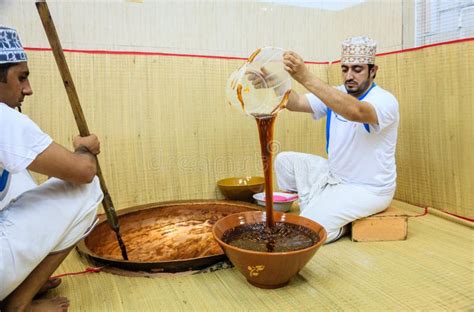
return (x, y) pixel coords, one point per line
(53, 39)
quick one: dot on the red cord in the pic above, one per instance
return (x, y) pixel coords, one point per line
(425, 212)
(448, 213)
(112, 52)
(87, 270)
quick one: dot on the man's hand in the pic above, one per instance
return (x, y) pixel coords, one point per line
(295, 66)
(261, 79)
(91, 143)
(264, 79)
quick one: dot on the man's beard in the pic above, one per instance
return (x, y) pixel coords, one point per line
(358, 91)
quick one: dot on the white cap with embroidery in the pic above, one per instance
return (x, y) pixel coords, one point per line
(11, 50)
(358, 50)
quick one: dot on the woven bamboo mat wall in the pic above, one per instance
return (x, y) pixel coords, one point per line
(435, 162)
(166, 130)
(167, 133)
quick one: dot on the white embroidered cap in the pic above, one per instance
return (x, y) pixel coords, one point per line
(11, 50)
(358, 50)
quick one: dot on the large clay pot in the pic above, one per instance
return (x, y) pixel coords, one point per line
(267, 269)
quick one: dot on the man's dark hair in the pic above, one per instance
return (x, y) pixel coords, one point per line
(4, 71)
(370, 68)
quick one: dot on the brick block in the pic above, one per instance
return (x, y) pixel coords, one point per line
(388, 225)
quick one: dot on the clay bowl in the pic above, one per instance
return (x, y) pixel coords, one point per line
(267, 269)
(241, 188)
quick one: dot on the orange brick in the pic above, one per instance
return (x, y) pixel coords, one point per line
(388, 225)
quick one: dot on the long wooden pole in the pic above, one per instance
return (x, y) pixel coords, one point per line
(53, 39)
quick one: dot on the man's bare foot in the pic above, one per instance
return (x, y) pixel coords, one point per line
(58, 304)
(50, 284)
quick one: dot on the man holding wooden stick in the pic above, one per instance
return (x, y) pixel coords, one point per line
(39, 225)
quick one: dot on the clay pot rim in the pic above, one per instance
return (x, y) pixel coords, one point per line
(322, 239)
(197, 202)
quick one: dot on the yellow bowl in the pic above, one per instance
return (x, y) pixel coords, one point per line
(241, 188)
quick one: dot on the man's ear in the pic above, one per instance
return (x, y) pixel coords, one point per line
(373, 71)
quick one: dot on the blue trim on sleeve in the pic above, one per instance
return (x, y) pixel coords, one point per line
(4, 180)
(329, 113)
(328, 126)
